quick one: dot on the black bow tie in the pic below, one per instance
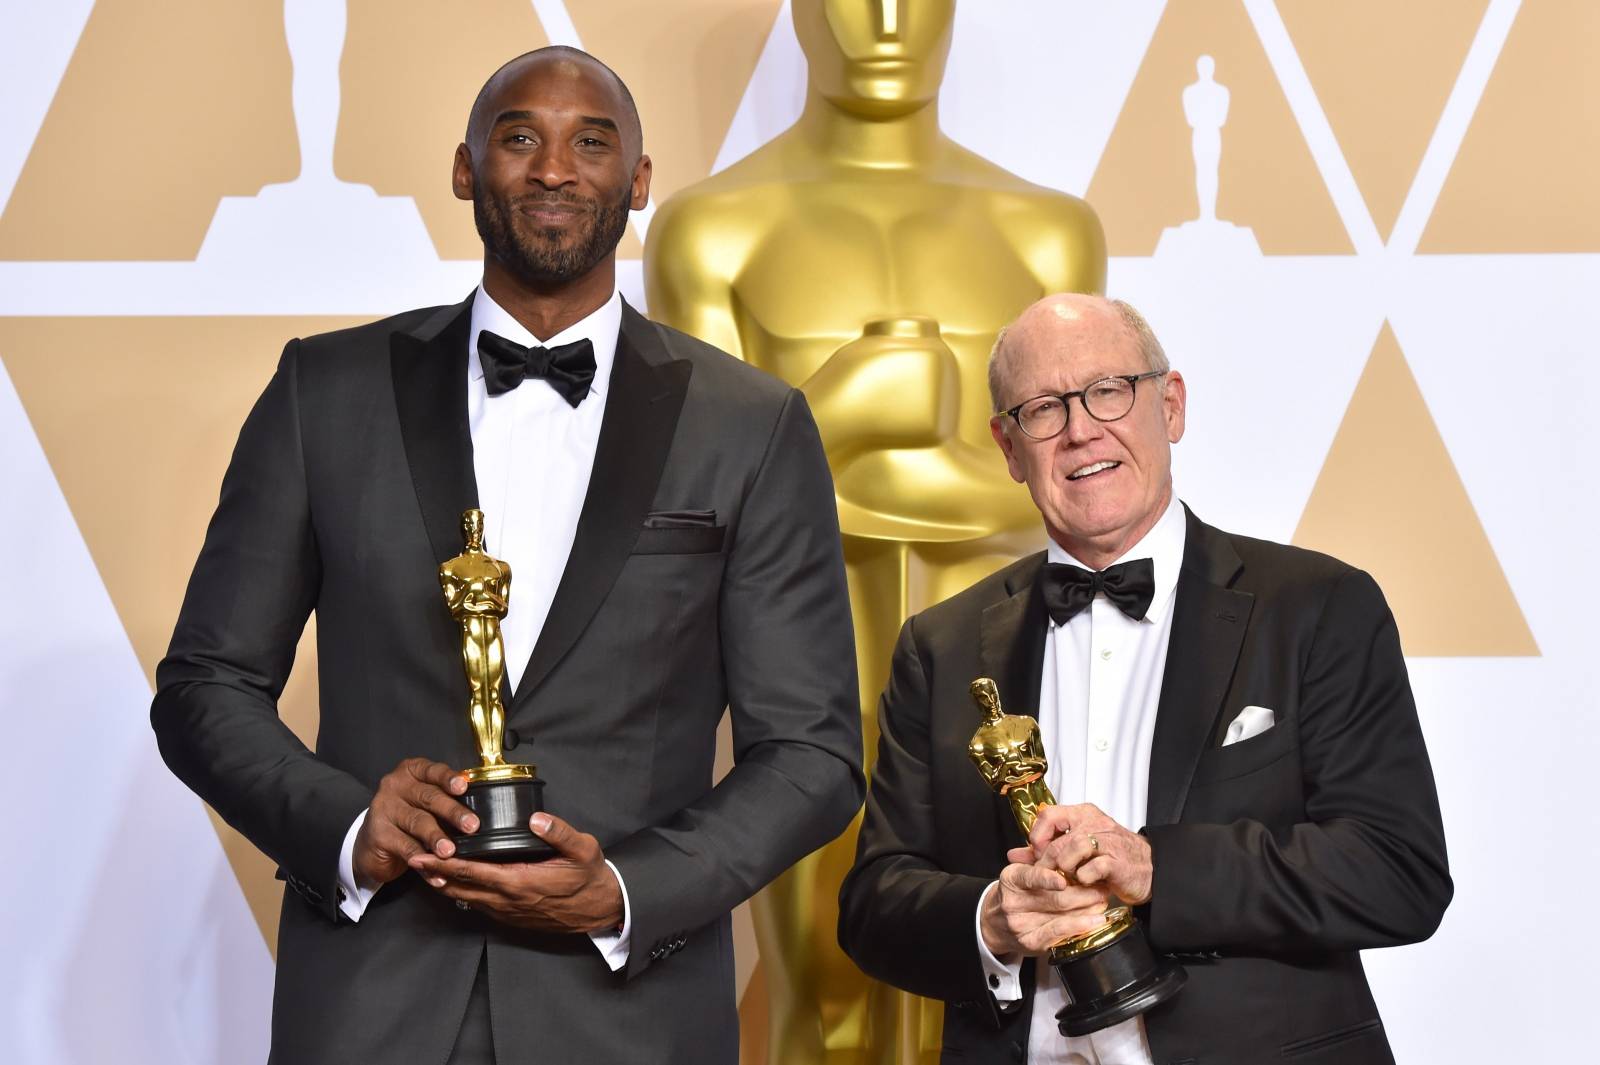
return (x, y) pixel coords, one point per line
(506, 364)
(1069, 589)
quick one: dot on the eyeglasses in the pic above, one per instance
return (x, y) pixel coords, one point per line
(1105, 400)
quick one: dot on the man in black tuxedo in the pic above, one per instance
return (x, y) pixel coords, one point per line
(1231, 737)
(668, 516)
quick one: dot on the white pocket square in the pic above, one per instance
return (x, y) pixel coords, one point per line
(1252, 721)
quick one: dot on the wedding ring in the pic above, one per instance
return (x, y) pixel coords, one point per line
(463, 904)
(1094, 844)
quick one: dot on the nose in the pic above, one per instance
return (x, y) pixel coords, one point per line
(552, 165)
(1081, 426)
(888, 17)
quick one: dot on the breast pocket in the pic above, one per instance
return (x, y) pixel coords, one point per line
(680, 540)
(1247, 756)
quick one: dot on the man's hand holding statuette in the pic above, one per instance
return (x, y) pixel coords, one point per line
(1095, 851)
(572, 892)
(412, 813)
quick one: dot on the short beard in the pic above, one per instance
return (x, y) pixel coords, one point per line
(538, 259)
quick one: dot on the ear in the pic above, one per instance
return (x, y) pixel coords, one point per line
(461, 173)
(1008, 447)
(1174, 401)
(641, 183)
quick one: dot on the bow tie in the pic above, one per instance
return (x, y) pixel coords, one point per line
(569, 368)
(1069, 589)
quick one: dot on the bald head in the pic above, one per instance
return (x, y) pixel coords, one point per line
(1045, 322)
(558, 60)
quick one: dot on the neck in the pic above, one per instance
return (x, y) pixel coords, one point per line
(1098, 552)
(545, 310)
(852, 140)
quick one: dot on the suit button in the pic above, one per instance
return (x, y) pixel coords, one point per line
(511, 739)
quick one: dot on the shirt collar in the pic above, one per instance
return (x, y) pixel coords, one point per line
(1162, 545)
(600, 327)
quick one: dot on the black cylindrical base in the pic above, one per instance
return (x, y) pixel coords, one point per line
(1114, 982)
(503, 808)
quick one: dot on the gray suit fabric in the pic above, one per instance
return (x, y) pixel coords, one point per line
(343, 496)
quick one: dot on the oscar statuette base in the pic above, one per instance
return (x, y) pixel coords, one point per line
(504, 802)
(1111, 975)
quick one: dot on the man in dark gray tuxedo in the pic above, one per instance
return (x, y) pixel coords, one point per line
(668, 517)
(1231, 738)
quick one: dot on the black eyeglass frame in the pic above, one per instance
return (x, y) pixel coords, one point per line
(1066, 399)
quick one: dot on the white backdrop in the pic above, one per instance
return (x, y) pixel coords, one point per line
(123, 934)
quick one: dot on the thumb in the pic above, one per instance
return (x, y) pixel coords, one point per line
(567, 840)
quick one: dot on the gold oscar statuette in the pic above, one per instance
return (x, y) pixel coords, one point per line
(477, 589)
(1110, 973)
(868, 259)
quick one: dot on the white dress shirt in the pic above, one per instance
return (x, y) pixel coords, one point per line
(1098, 694)
(532, 454)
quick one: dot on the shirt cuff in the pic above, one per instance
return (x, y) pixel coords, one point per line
(613, 946)
(1004, 978)
(353, 899)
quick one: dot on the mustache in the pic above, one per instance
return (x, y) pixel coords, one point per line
(554, 199)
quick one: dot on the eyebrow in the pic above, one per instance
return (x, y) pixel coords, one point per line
(588, 120)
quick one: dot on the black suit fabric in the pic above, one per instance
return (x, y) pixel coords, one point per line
(343, 496)
(1276, 859)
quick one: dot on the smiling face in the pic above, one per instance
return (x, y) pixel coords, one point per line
(875, 58)
(552, 165)
(1100, 486)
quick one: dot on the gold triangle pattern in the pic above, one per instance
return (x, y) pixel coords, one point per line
(1390, 501)
(163, 110)
(1382, 72)
(1268, 181)
(1524, 179)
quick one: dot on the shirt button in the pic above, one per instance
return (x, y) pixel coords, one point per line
(1101, 744)
(994, 981)
(1105, 655)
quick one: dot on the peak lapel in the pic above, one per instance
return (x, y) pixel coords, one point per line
(430, 392)
(647, 391)
(1011, 637)
(1208, 627)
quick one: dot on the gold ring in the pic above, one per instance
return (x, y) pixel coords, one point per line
(1094, 844)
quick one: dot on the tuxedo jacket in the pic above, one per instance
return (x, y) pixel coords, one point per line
(1276, 859)
(706, 574)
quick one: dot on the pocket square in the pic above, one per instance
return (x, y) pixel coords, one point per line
(1252, 721)
(679, 519)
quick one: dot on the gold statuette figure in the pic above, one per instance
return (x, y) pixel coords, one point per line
(1109, 971)
(868, 259)
(477, 589)
(1009, 753)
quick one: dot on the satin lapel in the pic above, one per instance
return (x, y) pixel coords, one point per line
(1208, 627)
(1011, 636)
(647, 391)
(430, 394)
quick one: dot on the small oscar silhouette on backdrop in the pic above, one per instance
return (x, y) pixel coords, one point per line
(477, 589)
(1109, 972)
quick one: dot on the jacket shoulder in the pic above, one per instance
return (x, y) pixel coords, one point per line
(958, 615)
(717, 369)
(368, 335)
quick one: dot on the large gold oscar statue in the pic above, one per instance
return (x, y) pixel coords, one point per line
(865, 257)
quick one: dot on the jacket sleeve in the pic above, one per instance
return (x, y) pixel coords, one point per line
(789, 657)
(1366, 866)
(215, 709)
(902, 918)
